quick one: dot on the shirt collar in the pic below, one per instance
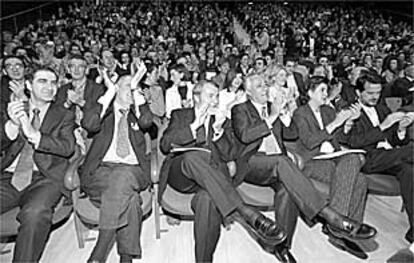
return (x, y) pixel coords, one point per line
(258, 106)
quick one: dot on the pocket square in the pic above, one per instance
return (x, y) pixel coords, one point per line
(134, 126)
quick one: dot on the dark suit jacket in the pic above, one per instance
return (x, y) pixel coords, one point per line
(310, 135)
(91, 94)
(103, 130)
(364, 135)
(250, 129)
(300, 83)
(179, 133)
(56, 145)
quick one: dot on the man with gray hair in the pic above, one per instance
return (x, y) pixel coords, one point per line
(205, 173)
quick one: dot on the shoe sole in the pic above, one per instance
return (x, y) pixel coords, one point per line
(266, 243)
(338, 233)
(359, 254)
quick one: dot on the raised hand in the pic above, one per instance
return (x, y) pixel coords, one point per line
(355, 111)
(17, 111)
(200, 116)
(406, 121)
(391, 119)
(18, 89)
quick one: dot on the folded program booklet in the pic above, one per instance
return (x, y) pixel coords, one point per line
(186, 149)
(337, 154)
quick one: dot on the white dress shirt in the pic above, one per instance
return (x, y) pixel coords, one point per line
(373, 117)
(173, 98)
(271, 136)
(111, 155)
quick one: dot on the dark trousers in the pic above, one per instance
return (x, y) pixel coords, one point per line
(115, 189)
(397, 162)
(294, 192)
(37, 203)
(215, 198)
(347, 186)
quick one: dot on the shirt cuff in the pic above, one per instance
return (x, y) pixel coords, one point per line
(11, 130)
(286, 119)
(217, 135)
(401, 134)
(105, 100)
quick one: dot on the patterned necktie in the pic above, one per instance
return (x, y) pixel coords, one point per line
(122, 145)
(22, 176)
(269, 142)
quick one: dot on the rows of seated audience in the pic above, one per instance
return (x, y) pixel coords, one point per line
(96, 78)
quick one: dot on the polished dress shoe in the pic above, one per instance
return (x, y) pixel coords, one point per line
(263, 230)
(268, 229)
(283, 254)
(348, 228)
(348, 246)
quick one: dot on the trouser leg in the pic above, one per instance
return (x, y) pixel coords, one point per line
(37, 206)
(206, 226)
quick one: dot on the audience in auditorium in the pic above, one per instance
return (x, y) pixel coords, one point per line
(332, 68)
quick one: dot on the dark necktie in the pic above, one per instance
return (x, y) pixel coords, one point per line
(182, 90)
(122, 145)
(22, 176)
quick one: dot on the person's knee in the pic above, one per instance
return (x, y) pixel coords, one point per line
(34, 215)
(192, 157)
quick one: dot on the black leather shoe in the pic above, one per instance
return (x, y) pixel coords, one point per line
(348, 228)
(268, 229)
(348, 246)
(283, 254)
(264, 231)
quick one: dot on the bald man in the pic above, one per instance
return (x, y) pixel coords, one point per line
(116, 169)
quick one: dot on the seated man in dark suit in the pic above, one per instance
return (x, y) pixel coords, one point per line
(383, 135)
(262, 160)
(204, 172)
(116, 167)
(294, 79)
(109, 63)
(35, 146)
(79, 93)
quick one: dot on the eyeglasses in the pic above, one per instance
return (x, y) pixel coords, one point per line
(15, 66)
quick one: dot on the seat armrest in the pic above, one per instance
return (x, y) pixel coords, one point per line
(71, 179)
(156, 154)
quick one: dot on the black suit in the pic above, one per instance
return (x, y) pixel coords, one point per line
(91, 93)
(293, 190)
(39, 199)
(202, 173)
(397, 161)
(115, 187)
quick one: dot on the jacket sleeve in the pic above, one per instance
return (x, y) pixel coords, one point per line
(62, 144)
(245, 130)
(176, 133)
(310, 138)
(145, 119)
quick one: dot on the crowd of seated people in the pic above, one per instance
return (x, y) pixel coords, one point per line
(97, 77)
